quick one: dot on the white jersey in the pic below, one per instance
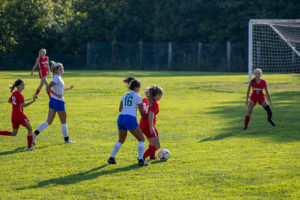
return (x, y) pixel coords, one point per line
(58, 88)
(130, 101)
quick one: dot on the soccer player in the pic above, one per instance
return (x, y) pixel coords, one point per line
(44, 69)
(18, 117)
(57, 103)
(127, 120)
(258, 84)
(148, 124)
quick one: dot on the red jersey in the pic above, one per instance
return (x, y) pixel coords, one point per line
(154, 108)
(16, 100)
(43, 64)
(258, 88)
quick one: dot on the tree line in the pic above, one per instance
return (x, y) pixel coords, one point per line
(66, 26)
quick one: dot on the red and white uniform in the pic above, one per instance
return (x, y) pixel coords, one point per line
(43, 66)
(18, 117)
(258, 93)
(144, 123)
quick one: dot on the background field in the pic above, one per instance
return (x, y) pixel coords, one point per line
(200, 122)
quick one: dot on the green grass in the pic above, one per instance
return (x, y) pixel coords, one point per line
(200, 123)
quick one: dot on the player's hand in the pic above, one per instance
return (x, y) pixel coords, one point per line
(34, 98)
(71, 87)
(152, 130)
(58, 95)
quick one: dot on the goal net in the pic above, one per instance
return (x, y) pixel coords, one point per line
(274, 46)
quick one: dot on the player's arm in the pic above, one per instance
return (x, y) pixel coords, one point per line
(248, 93)
(121, 106)
(35, 66)
(141, 109)
(67, 89)
(27, 104)
(268, 95)
(48, 88)
(151, 118)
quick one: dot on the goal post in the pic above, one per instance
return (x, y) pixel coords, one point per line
(274, 45)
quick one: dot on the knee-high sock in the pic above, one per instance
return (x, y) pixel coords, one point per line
(269, 112)
(152, 153)
(64, 129)
(247, 119)
(6, 133)
(30, 140)
(116, 149)
(41, 128)
(37, 92)
(147, 152)
(141, 149)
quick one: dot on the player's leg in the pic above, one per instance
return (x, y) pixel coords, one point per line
(64, 128)
(51, 115)
(44, 79)
(6, 133)
(247, 117)
(29, 137)
(137, 132)
(15, 126)
(266, 106)
(154, 144)
(39, 88)
(122, 138)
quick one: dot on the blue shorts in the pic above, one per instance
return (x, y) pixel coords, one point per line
(127, 122)
(57, 105)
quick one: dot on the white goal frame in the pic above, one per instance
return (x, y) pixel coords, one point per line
(269, 22)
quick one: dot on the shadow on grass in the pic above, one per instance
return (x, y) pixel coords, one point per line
(21, 149)
(286, 115)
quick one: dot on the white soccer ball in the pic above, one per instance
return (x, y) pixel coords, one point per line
(164, 154)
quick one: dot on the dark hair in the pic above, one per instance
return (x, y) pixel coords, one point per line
(55, 66)
(16, 84)
(151, 92)
(132, 83)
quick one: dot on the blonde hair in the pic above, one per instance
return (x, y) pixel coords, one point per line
(151, 92)
(44, 50)
(55, 66)
(257, 69)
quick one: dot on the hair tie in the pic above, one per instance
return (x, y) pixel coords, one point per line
(130, 82)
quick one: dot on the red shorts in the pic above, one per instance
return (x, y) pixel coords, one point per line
(144, 124)
(19, 120)
(257, 98)
(43, 73)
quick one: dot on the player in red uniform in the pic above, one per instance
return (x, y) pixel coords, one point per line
(44, 69)
(18, 117)
(257, 95)
(148, 124)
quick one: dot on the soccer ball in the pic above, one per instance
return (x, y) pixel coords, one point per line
(164, 154)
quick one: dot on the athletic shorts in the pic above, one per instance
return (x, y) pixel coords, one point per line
(257, 98)
(43, 73)
(19, 120)
(127, 122)
(57, 105)
(144, 124)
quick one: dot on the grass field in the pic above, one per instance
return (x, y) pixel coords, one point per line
(200, 122)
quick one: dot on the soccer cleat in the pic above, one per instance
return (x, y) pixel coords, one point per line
(142, 162)
(245, 129)
(272, 122)
(111, 161)
(29, 149)
(152, 159)
(34, 139)
(69, 142)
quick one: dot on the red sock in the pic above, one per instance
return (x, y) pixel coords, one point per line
(7, 133)
(30, 140)
(152, 153)
(37, 92)
(49, 94)
(269, 116)
(247, 119)
(147, 152)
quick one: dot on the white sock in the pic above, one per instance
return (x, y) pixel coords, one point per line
(116, 149)
(141, 149)
(64, 129)
(42, 126)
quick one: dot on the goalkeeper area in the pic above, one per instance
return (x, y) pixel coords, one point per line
(274, 45)
(200, 122)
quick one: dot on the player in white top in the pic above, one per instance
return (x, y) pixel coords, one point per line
(127, 120)
(57, 102)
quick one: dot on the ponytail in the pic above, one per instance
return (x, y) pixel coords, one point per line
(16, 84)
(151, 92)
(132, 83)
